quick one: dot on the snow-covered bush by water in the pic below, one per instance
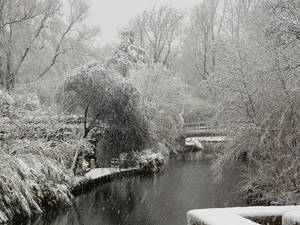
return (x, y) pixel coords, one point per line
(36, 152)
(151, 163)
(150, 160)
(30, 184)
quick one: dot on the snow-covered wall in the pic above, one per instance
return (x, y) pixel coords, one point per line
(100, 176)
(291, 218)
(238, 216)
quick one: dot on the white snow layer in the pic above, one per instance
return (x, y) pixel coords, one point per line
(196, 141)
(193, 141)
(27, 182)
(236, 216)
(291, 218)
(3, 217)
(217, 218)
(101, 172)
(212, 139)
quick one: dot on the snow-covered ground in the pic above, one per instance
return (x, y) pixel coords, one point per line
(238, 215)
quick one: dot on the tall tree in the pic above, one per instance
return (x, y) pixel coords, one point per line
(257, 82)
(203, 39)
(31, 28)
(105, 97)
(157, 29)
(127, 54)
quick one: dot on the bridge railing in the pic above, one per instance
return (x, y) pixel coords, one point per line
(211, 125)
(189, 127)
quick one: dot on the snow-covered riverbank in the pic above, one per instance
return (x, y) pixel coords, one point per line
(31, 185)
(99, 176)
(149, 162)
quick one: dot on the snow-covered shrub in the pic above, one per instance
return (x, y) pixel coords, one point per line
(36, 150)
(30, 184)
(35, 174)
(6, 104)
(28, 102)
(5, 98)
(150, 160)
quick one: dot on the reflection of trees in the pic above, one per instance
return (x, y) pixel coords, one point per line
(228, 196)
(64, 217)
(111, 204)
(137, 201)
(119, 201)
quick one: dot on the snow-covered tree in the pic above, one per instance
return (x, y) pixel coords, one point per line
(257, 85)
(157, 30)
(105, 97)
(38, 33)
(127, 54)
(163, 94)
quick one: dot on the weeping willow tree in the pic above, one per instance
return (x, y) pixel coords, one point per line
(108, 101)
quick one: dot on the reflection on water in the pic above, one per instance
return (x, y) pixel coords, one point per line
(159, 200)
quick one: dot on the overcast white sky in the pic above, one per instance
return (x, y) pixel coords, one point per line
(112, 15)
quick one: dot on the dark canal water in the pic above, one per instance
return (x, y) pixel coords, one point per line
(162, 199)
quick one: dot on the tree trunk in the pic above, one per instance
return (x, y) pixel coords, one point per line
(10, 82)
(75, 161)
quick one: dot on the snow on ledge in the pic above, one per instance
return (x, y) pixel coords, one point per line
(212, 139)
(101, 172)
(216, 217)
(291, 218)
(236, 216)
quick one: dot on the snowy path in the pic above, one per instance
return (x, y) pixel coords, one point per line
(101, 172)
(99, 176)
